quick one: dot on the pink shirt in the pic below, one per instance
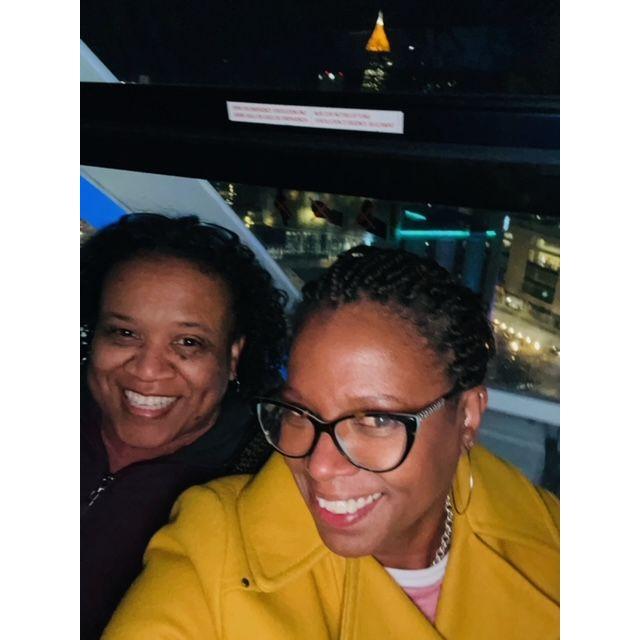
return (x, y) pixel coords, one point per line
(426, 599)
(422, 585)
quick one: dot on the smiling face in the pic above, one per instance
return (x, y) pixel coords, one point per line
(162, 355)
(362, 356)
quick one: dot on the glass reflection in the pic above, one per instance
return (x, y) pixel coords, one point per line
(512, 260)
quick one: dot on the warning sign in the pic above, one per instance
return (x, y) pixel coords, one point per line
(317, 117)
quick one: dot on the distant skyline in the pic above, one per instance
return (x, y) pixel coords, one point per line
(285, 43)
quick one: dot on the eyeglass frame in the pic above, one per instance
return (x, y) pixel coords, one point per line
(410, 421)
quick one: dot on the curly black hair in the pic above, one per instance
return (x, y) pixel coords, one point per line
(258, 307)
(449, 315)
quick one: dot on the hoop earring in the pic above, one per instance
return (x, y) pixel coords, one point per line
(465, 460)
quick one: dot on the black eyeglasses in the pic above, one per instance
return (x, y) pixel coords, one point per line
(372, 440)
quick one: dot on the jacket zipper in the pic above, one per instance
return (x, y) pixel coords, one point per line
(108, 479)
(105, 481)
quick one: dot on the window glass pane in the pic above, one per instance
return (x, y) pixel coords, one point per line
(531, 445)
(510, 259)
(96, 208)
(439, 47)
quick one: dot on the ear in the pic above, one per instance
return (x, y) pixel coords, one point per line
(236, 351)
(472, 405)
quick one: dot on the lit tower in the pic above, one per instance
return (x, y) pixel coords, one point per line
(379, 60)
(378, 42)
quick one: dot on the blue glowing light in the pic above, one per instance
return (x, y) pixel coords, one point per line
(412, 215)
(445, 234)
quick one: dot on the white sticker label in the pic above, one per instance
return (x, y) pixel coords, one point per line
(317, 117)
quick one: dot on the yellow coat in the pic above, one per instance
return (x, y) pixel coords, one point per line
(242, 560)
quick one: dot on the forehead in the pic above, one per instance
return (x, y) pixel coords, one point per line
(153, 283)
(364, 349)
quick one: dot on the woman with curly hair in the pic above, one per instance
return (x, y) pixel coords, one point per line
(180, 325)
(378, 518)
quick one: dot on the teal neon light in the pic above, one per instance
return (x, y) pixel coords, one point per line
(445, 234)
(412, 215)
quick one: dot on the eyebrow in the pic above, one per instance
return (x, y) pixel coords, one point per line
(186, 323)
(118, 316)
(196, 325)
(365, 400)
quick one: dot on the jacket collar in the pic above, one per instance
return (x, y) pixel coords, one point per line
(504, 504)
(278, 531)
(482, 592)
(219, 446)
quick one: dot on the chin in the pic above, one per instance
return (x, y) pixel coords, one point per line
(353, 547)
(144, 438)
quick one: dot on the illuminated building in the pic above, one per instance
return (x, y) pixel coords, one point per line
(379, 60)
(378, 42)
(532, 276)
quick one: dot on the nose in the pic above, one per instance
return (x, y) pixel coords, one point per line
(150, 363)
(326, 462)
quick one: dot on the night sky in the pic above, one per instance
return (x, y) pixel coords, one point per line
(283, 43)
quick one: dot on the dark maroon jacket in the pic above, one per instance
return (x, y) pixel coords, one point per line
(120, 512)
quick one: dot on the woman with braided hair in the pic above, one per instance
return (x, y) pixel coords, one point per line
(378, 518)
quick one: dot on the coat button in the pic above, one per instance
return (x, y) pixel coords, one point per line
(245, 582)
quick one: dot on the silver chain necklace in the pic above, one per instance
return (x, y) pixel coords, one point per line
(445, 540)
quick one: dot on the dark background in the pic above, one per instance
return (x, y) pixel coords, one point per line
(488, 46)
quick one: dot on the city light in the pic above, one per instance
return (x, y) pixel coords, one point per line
(514, 345)
(537, 346)
(412, 215)
(451, 234)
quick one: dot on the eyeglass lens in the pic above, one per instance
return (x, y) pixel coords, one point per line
(376, 442)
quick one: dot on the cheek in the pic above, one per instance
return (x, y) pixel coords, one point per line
(100, 381)
(428, 471)
(105, 359)
(102, 363)
(207, 377)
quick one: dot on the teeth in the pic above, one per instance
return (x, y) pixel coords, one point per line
(347, 506)
(148, 402)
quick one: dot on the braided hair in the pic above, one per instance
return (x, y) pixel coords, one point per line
(257, 306)
(449, 315)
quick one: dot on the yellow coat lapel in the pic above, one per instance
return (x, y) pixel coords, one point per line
(280, 537)
(483, 597)
(501, 580)
(376, 608)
